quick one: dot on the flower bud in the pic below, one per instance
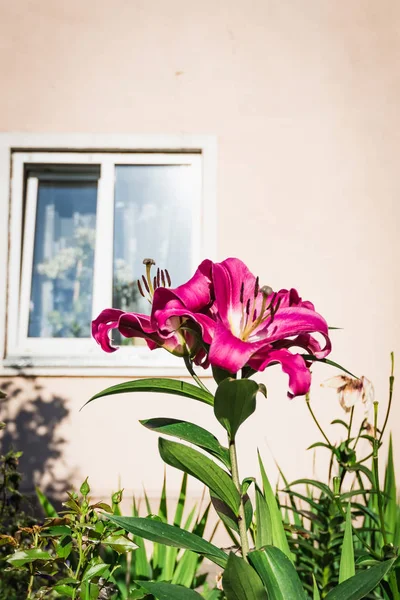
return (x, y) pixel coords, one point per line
(85, 488)
(117, 497)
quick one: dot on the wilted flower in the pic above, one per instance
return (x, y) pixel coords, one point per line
(351, 391)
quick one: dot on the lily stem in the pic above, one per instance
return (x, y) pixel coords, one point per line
(189, 366)
(316, 420)
(375, 469)
(244, 542)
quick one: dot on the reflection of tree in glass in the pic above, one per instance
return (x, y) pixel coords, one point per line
(71, 273)
(125, 295)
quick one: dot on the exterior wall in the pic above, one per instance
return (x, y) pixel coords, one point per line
(303, 98)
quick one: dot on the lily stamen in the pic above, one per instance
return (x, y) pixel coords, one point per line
(146, 285)
(168, 278)
(149, 262)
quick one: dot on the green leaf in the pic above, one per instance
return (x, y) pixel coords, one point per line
(48, 508)
(263, 521)
(22, 557)
(279, 538)
(235, 401)
(119, 543)
(328, 362)
(316, 595)
(203, 468)
(277, 573)
(190, 433)
(347, 568)
(318, 484)
(95, 570)
(390, 496)
(64, 547)
(160, 385)
(241, 582)
(64, 590)
(163, 533)
(361, 584)
(168, 591)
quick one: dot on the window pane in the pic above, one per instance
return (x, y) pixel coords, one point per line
(62, 279)
(153, 219)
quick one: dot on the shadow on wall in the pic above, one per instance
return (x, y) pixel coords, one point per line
(32, 419)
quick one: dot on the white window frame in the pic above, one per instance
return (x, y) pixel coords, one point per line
(83, 356)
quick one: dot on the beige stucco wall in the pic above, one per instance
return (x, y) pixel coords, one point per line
(303, 97)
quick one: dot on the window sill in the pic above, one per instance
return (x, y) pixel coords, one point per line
(82, 366)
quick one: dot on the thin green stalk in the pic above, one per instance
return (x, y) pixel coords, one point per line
(189, 366)
(393, 585)
(350, 423)
(375, 469)
(391, 386)
(78, 568)
(316, 420)
(31, 581)
(244, 542)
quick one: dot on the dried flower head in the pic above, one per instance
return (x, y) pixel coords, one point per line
(352, 391)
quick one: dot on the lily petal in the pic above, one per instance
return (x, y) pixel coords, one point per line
(292, 364)
(101, 326)
(228, 277)
(229, 352)
(292, 321)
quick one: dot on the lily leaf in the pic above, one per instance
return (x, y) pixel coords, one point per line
(190, 433)
(361, 584)
(160, 385)
(277, 530)
(241, 582)
(277, 573)
(163, 533)
(347, 568)
(168, 591)
(203, 468)
(235, 401)
(327, 361)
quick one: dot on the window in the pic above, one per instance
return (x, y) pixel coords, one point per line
(81, 224)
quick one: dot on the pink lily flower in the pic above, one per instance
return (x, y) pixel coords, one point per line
(180, 341)
(187, 307)
(256, 327)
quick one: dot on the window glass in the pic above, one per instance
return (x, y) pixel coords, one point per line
(153, 219)
(62, 276)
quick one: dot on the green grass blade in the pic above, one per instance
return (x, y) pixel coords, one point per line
(390, 496)
(278, 532)
(48, 508)
(180, 507)
(347, 568)
(263, 521)
(316, 595)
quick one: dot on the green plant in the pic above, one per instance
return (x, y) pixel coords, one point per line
(67, 550)
(224, 318)
(354, 505)
(16, 525)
